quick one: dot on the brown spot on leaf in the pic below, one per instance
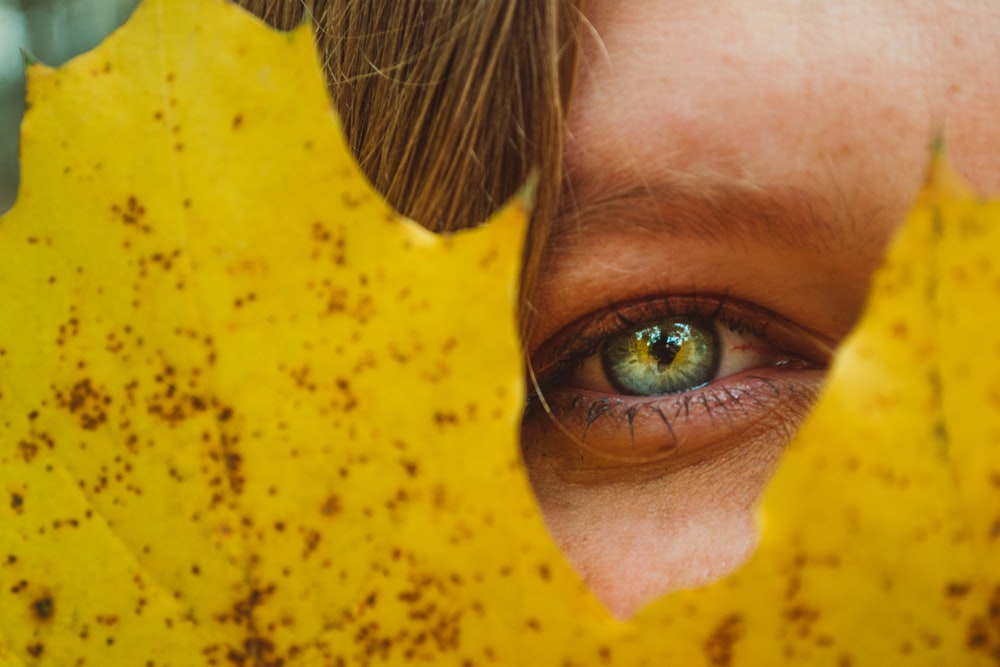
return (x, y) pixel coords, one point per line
(311, 541)
(443, 419)
(257, 652)
(87, 402)
(488, 259)
(957, 589)
(983, 630)
(28, 450)
(131, 214)
(410, 466)
(43, 608)
(719, 645)
(331, 506)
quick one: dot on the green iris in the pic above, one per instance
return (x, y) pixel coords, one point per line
(667, 357)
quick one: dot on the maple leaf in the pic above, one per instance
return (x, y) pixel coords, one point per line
(218, 344)
(250, 416)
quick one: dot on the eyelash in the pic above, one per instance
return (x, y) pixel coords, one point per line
(558, 359)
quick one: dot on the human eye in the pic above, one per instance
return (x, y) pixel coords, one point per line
(676, 379)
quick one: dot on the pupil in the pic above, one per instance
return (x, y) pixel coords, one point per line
(664, 350)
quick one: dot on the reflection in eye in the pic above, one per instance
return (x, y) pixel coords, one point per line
(676, 377)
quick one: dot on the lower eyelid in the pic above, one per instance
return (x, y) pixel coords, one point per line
(683, 428)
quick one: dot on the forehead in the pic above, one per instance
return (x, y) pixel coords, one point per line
(838, 98)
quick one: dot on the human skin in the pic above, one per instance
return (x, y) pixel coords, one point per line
(806, 125)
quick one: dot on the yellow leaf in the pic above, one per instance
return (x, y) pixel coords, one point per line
(249, 416)
(235, 417)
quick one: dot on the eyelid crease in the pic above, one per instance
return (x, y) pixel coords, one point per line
(711, 208)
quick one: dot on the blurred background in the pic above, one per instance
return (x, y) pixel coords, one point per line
(52, 31)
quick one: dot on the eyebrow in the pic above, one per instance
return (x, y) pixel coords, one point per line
(715, 209)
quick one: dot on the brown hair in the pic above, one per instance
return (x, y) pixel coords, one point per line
(449, 105)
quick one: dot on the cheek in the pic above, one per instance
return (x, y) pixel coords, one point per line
(635, 540)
